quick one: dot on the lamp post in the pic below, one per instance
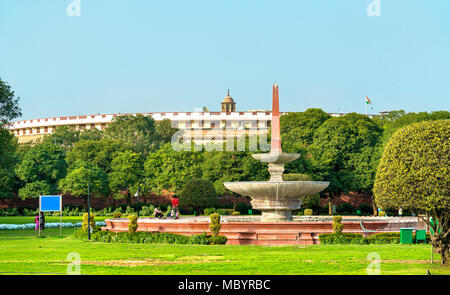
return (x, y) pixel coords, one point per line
(88, 203)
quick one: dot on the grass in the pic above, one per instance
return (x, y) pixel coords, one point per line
(22, 252)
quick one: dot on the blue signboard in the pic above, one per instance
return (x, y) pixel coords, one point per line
(50, 203)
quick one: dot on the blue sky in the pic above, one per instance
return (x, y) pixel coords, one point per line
(151, 56)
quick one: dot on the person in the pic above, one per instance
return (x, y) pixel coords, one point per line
(36, 219)
(42, 221)
(158, 213)
(175, 204)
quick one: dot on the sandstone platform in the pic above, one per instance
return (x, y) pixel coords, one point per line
(249, 231)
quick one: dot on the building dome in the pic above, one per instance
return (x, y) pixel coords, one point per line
(228, 104)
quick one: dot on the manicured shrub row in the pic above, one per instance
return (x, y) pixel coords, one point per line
(356, 238)
(209, 211)
(152, 238)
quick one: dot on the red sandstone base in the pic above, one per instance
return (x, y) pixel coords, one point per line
(258, 233)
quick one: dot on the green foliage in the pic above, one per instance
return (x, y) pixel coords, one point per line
(381, 213)
(217, 240)
(8, 159)
(215, 225)
(147, 210)
(164, 131)
(308, 212)
(134, 132)
(126, 173)
(42, 166)
(9, 105)
(209, 211)
(132, 224)
(347, 238)
(345, 209)
(149, 238)
(337, 225)
(169, 170)
(413, 174)
(235, 213)
(199, 194)
(63, 136)
(84, 222)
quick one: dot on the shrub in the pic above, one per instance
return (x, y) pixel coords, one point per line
(382, 213)
(149, 238)
(84, 223)
(209, 211)
(308, 212)
(347, 238)
(200, 239)
(147, 211)
(199, 194)
(217, 240)
(215, 224)
(117, 214)
(365, 209)
(337, 225)
(345, 208)
(132, 225)
(243, 208)
(384, 238)
(235, 213)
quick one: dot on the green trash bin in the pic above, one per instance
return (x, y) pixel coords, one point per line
(250, 212)
(406, 236)
(421, 235)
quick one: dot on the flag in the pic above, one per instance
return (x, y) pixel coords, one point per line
(369, 102)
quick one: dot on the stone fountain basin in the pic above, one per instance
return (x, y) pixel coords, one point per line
(276, 158)
(268, 189)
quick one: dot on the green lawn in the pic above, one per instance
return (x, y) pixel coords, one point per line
(23, 252)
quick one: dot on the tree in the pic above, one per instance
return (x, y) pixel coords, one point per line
(136, 132)
(9, 105)
(199, 194)
(42, 166)
(91, 134)
(413, 174)
(63, 136)
(308, 202)
(164, 131)
(169, 170)
(126, 174)
(340, 150)
(98, 152)
(80, 176)
(8, 160)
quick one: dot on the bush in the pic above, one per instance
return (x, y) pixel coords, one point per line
(345, 209)
(209, 211)
(384, 238)
(235, 213)
(84, 223)
(365, 209)
(337, 225)
(149, 238)
(117, 214)
(382, 213)
(308, 212)
(132, 225)
(199, 194)
(217, 240)
(215, 224)
(147, 211)
(243, 208)
(347, 238)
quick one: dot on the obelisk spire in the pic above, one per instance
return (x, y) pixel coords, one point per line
(275, 143)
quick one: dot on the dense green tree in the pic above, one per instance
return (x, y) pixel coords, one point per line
(413, 174)
(98, 152)
(80, 176)
(341, 153)
(199, 194)
(8, 160)
(137, 133)
(9, 105)
(308, 202)
(42, 166)
(127, 169)
(164, 131)
(169, 170)
(91, 134)
(64, 136)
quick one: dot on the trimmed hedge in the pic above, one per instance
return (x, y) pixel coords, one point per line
(356, 238)
(152, 238)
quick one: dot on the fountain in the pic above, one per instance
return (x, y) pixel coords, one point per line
(276, 198)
